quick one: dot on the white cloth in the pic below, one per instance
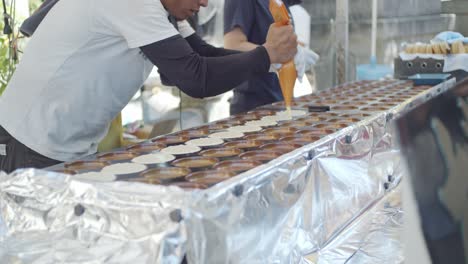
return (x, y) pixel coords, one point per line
(304, 60)
(300, 62)
(455, 62)
(301, 24)
(80, 69)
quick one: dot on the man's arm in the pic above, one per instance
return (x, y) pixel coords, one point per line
(240, 16)
(31, 23)
(237, 40)
(200, 76)
(205, 49)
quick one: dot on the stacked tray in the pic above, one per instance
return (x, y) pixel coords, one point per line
(200, 157)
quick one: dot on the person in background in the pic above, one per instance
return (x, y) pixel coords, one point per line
(87, 59)
(246, 24)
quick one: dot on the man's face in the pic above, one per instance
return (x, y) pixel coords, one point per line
(182, 9)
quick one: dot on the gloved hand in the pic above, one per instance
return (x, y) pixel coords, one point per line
(304, 60)
(447, 36)
(311, 58)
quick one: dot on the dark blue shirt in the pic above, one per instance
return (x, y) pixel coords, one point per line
(254, 18)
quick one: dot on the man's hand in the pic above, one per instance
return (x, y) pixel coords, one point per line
(281, 43)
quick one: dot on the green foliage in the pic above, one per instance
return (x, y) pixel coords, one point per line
(8, 49)
(34, 5)
(7, 64)
(9, 44)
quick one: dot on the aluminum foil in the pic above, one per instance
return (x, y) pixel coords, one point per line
(48, 218)
(315, 200)
(302, 203)
(345, 186)
(257, 220)
(297, 206)
(374, 237)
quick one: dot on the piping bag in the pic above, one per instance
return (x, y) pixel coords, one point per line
(287, 73)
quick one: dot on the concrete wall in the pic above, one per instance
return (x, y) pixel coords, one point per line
(361, 9)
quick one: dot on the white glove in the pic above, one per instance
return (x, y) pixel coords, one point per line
(304, 60)
(311, 58)
(300, 62)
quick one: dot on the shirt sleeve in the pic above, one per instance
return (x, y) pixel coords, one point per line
(206, 50)
(200, 76)
(139, 22)
(239, 13)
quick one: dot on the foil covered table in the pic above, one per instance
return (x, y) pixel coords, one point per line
(332, 201)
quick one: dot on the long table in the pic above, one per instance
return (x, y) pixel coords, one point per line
(298, 205)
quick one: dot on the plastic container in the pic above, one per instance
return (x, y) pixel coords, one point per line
(221, 153)
(164, 175)
(195, 163)
(237, 166)
(260, 155)
(209, 178)
(243, 144)
(373, 71)
(146, 147)
(117, 156)
(171, 140)
(86, 165)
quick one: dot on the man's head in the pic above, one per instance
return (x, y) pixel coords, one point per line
(182, 9)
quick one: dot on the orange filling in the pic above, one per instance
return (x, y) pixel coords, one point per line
(287, 73)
